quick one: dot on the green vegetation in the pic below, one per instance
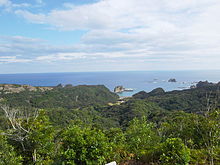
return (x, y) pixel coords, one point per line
(174, 152)
(7, 153)
(197, 100)
(75, 125)
(67, 97)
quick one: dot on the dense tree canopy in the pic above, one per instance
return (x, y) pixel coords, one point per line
(76, 125)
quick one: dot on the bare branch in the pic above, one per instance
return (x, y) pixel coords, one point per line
(20, 123)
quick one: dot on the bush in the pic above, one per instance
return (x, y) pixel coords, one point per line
(7, 153)
(141, 137)
(199, 156)
(174, 152)
(85, 146)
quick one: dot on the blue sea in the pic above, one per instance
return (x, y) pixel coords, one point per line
(137, 80)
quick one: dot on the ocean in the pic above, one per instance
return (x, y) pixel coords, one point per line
(137, 80)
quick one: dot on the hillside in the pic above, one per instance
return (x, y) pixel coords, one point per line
(47, 97)
(198, 99)
(76, 125)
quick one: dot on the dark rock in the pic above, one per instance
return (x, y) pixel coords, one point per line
(172, 80)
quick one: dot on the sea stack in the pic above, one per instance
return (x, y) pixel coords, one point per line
(119, 89)
(172, 80)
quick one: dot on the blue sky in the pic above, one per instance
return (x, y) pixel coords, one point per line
(108, 35)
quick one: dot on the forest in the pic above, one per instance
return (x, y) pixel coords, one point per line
(88, 125)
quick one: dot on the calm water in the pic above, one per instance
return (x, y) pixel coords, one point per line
(138, 80)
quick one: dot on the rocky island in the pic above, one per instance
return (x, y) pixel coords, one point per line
(172, 80)
(120, 89)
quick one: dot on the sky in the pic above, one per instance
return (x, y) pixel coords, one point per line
(38, 36)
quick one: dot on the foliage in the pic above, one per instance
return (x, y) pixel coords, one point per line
(66, 97)
(77, 126)
(118, 140)
(131, 109)
(206, 95)
(85, 146)
(7, 153)
(33, 138)
(140, 137)
(174, 152)
(40, 140)
(199, 156)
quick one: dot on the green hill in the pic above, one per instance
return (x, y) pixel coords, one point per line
(66, 97)
(205, 95)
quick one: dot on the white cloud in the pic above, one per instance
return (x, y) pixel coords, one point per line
(6, 5)
(159, 31)
(13, 59)
(114, 14)
(40, 18)
(60, 56)
(161, 52)
(165, 24)
(10, 6)
(4, 2)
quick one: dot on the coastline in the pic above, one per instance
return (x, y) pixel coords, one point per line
(137, 80)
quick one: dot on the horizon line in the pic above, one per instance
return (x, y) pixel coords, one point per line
(112, 71)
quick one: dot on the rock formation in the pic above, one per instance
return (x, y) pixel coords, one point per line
(119, 89)
(172, 80)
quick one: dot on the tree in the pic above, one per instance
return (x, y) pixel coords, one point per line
(19, 123)
(7, 153)
(85, 146)
(118, 141)
(182, 125)
(209, 131)
(31, 134)
(140, 137)
(174, 152)
(40, 142)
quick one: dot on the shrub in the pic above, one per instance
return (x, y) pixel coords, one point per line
(174, 152)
